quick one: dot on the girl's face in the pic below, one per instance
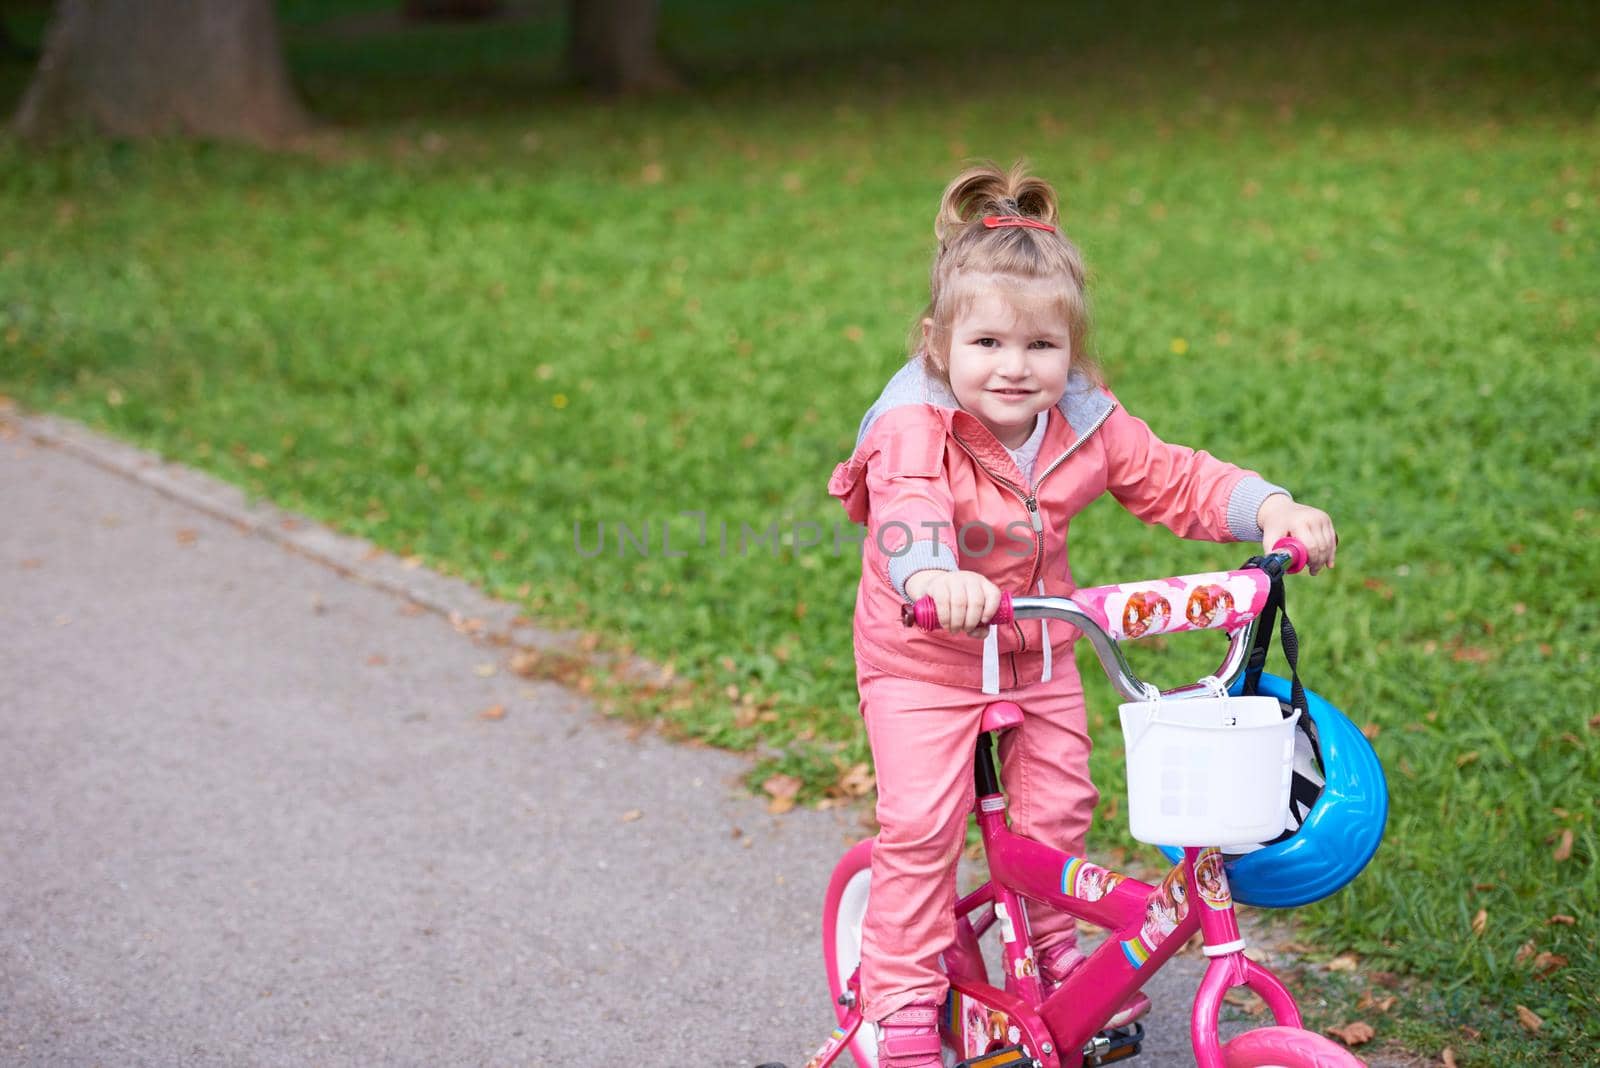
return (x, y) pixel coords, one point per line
(1007, 366)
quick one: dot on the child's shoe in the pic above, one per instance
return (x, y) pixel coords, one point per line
(1064, 960)
(909, 1038)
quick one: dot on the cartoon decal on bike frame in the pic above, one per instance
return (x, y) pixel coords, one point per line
(1212, 880)
(973, 1028)
(1088, 881)
(1165, 909)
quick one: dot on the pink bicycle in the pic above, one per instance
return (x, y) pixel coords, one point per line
(1016, 1025)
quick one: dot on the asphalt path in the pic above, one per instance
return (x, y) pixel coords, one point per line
(252, 812)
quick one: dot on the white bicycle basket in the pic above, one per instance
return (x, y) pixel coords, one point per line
(1208, 771)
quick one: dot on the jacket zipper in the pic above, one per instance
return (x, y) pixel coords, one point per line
(1038, 529)
(1030, 501)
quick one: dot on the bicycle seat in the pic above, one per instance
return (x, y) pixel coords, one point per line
(1000, 715)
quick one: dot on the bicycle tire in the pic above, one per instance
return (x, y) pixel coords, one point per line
(1286, 1047)
(843, 910)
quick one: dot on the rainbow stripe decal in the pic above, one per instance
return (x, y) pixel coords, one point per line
(1137, 951)
(1069, 874)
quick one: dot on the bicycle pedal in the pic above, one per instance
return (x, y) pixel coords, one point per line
(1010, 1057)
(1113, 1044)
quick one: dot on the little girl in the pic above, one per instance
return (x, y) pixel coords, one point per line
(967, 472)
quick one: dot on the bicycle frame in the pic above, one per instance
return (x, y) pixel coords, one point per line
(1147, 925)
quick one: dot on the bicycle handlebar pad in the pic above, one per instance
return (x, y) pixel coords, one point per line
(1216, 600)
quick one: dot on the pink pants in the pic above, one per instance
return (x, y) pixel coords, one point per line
(922, 737)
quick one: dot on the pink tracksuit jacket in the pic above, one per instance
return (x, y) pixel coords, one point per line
(936, 489)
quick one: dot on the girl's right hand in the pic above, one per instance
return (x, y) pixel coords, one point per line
(965, 599)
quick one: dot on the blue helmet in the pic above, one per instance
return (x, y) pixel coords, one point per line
(1328, 844)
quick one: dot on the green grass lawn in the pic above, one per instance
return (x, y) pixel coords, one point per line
(1357, 251)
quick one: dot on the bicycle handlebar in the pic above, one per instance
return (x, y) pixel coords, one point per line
(1224, 600)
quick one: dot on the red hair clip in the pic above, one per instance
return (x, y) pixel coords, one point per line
(994, 222)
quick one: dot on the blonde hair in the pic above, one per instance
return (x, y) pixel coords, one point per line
(1042, 269)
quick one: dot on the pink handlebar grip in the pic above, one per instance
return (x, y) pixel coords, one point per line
(1298, 556)
(925, 614)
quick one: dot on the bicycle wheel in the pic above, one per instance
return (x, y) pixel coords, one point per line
(843, 911)
(1286, 1047)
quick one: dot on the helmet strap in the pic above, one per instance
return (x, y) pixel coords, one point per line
(1276, 611)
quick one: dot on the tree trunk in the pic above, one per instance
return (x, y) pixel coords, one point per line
(612, 46)
(146, 68)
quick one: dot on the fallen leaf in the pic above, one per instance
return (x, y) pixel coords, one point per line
(1372, 730)
(1480, 922)
(632, 815)
(1525, 951)
(1594, 722)
(1563, 919)
(1447, 1057)
(1466, 758)
(1471, 1032)
(1547, 964)
(188, 536)
(858, 781)
(1343, 963)
(1245, 999)
(1369, 1001)
(779, 805)
(483, 671)
(1530, 1020)
(781, 785)
(1353, 1034)
(1564, 847)
(377, 660)
(493, 712)
(1381, 588)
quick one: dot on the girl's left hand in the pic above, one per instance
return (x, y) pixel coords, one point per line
(1281, 517)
